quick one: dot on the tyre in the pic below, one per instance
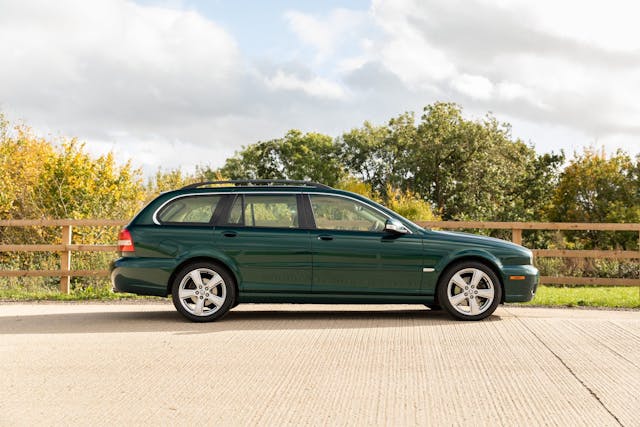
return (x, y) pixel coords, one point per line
(469, 290)
(433, 306)
(203, 292)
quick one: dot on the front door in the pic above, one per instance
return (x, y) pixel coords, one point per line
(353, 254)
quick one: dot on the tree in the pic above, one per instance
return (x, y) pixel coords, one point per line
(406, 203)
(22, 156)
(310, 156)
(465, 169)
(537, 188)
(469, 169)
(594, 188)
(409, 205)
(171, 180)
(72, 184)
(40, 178)
(377, 154)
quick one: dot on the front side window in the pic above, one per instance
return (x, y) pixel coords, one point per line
(189, 210)
(338, 213)
(265, 210)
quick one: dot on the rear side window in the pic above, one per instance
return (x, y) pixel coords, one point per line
(262, 210)
(189, 210)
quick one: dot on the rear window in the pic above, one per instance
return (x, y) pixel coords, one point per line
(279, 211)
(189, 210)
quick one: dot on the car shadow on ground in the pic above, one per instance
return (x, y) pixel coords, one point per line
(255, 319)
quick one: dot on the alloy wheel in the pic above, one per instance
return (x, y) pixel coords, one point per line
(202, 292)
(470, 291)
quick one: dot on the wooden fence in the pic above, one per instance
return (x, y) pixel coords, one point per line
(66, 247)
(516, 237)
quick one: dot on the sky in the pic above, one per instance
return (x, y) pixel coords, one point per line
(179, 83)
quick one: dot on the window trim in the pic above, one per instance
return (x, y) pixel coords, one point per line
(302, 193)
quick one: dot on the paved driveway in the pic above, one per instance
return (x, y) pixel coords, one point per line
(99, 364)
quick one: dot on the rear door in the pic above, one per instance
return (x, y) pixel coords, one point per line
(261, 233)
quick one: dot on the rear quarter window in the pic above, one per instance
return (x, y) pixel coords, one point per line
(189, 210)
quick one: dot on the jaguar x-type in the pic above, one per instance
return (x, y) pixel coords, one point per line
(214, 245)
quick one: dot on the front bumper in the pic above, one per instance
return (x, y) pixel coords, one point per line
(520, 282)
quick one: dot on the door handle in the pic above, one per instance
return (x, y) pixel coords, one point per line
(325, 237)
(229, 234)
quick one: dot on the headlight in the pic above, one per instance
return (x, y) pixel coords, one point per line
(518, 258)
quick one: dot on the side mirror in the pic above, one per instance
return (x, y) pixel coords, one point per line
(395, 226)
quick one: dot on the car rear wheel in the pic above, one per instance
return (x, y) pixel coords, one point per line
(469, 291)
(203, 292)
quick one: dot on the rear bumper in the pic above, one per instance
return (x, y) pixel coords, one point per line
(142, 276)
(520, 282)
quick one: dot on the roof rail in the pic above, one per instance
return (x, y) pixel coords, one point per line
(250, 182)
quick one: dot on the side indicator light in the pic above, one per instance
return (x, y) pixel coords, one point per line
(516, 277)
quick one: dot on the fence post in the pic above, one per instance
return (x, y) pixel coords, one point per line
(516, 235)
(65, 260)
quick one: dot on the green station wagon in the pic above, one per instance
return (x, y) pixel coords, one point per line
(217, 244)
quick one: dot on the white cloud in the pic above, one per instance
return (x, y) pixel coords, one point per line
(170, 87)
(164, 86)
(325, 34)
(115, 71)
(102, 51)
(567, 64)
(476, 87)
(316, 86)
(405, 51)
(610, 25)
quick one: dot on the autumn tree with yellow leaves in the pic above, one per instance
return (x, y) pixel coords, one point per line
(45, 179)
(48, 179)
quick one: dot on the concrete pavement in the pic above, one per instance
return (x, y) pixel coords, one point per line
(138, 364)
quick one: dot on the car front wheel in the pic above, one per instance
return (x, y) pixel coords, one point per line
(469, 291)
(203, 292)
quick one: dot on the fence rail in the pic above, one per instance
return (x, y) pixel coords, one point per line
(66, 247)
(516, 237)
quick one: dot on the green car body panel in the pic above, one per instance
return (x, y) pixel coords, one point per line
(305, 264)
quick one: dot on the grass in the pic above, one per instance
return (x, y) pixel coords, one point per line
(587, 296)
(550, 296)
(44, 289)
(89, 293)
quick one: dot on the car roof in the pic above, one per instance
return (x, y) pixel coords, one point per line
(249, 186)
(257, 183)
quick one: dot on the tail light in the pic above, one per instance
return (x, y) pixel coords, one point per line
(125, 242)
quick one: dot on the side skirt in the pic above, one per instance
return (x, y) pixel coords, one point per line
(264, 297)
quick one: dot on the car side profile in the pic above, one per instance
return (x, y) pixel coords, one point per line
(214, 245)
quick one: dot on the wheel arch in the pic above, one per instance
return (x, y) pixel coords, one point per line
(205, 258)
(482, 259)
